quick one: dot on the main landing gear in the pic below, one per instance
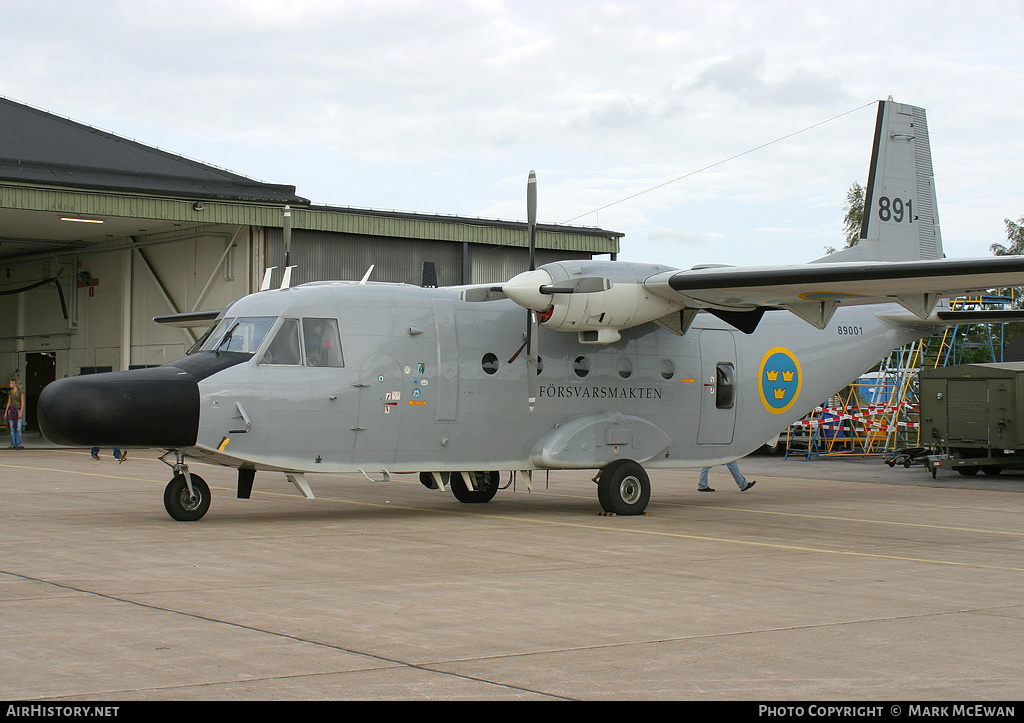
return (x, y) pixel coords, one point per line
(471, 487)
(187, 496)
(623, 488)
(485, 486)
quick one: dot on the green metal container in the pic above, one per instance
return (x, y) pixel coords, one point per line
(973, 413)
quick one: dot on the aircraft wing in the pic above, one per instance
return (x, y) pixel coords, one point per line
(189, 318)
(813, 291)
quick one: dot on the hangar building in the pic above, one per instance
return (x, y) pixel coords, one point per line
(99, 234)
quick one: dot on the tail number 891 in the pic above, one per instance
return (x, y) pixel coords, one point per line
(895, 209)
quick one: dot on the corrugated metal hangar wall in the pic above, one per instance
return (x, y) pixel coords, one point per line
(319, 255)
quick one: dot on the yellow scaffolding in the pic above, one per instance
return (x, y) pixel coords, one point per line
(869, 417)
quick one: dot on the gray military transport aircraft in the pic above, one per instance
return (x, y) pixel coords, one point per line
(606, 365)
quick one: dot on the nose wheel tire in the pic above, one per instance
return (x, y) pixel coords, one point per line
(623, 488)
(181, 505)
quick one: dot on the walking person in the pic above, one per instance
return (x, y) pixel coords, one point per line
(734, 468)
(14, 413)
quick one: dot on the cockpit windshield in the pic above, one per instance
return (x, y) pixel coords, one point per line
(242, 334)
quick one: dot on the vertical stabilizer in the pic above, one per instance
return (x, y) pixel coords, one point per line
(901, 221)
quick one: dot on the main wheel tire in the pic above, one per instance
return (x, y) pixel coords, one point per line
(486, 486)
(992, 469)
(182, 506)
(624, 488)
(967, 471)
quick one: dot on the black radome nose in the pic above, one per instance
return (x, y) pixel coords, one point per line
(157, 407)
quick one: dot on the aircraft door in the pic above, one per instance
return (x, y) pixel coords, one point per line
(380, 411)
(719, 392)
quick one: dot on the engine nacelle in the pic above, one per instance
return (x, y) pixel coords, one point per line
(598, 316)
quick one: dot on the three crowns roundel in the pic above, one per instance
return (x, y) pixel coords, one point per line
(779, 379)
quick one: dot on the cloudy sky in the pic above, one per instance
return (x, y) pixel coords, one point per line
(721, 131)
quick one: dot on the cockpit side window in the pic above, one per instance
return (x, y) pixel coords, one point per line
(322, 343)
(283, 349)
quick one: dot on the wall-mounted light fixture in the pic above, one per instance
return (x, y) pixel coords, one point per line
(82, 220)
(198, 205)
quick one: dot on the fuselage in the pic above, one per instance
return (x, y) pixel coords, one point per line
(415, 379)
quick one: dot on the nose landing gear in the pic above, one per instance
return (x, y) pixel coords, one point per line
(187, 496)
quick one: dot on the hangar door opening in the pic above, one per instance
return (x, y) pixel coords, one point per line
(40, 370)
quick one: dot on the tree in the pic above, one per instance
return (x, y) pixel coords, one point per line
(854, 218)
(853, 210)
(1013, 247)
(1015, 235)
(974, 340)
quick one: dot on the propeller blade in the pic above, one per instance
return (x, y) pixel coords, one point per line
(589, 285)
(531, 217)
(531, 314)
(531, 360)
(483, 293)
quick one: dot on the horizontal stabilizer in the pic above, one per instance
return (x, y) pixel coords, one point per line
(947, 318)
(996, 316)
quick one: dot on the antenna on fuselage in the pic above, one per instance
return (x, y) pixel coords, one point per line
(266, 278)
